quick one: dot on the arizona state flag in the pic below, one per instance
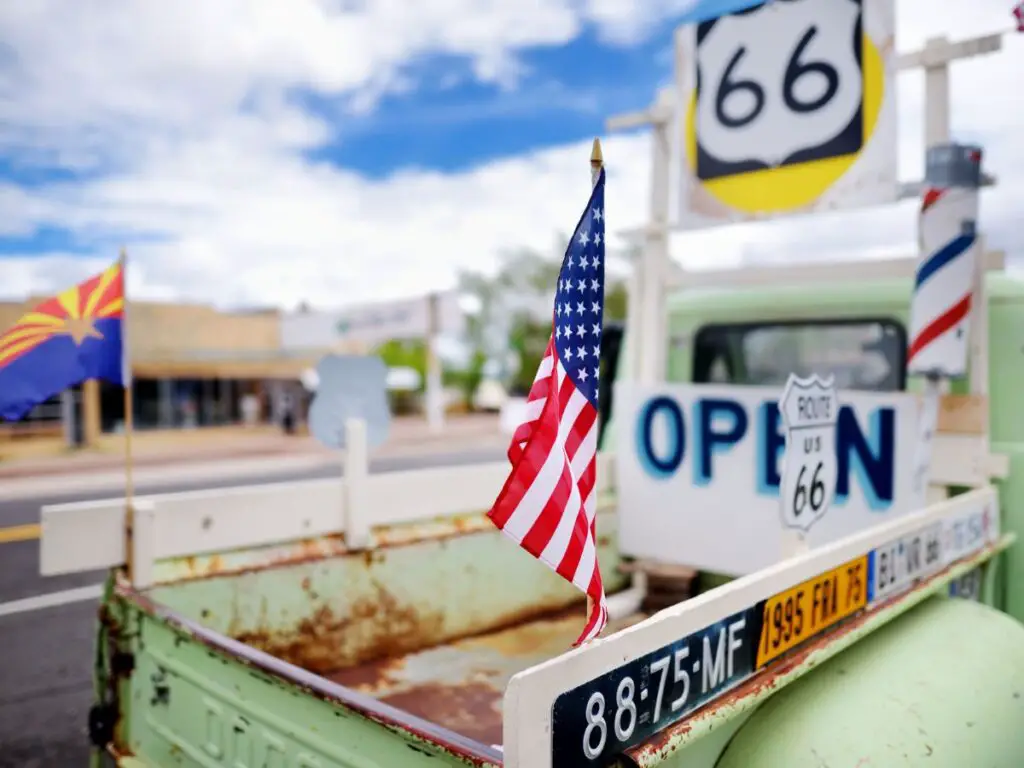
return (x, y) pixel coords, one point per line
(64, 341)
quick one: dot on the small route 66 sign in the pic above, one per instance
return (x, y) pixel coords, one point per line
(809, 409)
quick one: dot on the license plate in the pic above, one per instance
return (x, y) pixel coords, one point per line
(967, 534)
(593, 723)
(805, 610)
(895, 566)
(967, 586)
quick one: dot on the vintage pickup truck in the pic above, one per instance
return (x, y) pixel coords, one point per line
(380, 621)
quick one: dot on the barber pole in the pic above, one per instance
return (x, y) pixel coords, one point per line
(940, 309)
(941, 303)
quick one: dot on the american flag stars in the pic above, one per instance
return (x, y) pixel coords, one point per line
(579, 305)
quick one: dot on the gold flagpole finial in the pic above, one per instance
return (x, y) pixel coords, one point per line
(596, 159)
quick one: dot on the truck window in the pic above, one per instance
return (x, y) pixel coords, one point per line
(611, 347)
(862, 354)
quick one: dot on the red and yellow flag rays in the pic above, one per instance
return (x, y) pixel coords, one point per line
(72, 313)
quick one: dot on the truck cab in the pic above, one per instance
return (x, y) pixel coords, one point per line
(380, 621)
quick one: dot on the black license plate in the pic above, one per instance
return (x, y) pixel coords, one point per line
(594, 722)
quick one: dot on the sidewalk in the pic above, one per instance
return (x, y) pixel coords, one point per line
(408, 435)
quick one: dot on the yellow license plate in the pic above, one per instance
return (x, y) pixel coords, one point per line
(799, 613)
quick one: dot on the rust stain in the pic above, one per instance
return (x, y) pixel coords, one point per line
(472, 709)
(326, 547)
(413, 727)
(375, 627)
(371, 676)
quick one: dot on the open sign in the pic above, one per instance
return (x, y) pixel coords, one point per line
(699, 478)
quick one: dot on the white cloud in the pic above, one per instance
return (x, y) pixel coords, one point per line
(188, 105)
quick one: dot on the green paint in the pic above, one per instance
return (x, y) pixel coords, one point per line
(402, 597)
(193, 706)
(920, 691)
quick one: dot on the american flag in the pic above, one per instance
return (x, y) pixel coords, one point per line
(549, 503)
(1018, 16)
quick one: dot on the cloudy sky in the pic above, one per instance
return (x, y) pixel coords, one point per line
(335, 151)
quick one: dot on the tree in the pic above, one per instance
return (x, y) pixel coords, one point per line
(515, 308)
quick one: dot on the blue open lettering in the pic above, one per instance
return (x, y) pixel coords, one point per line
(710, 438)
(718, 424)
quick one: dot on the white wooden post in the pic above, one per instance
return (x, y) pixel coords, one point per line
(647, 336)
(357, 474)
(143, 542)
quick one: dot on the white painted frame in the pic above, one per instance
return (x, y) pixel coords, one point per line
(531, 694)
(87, 536)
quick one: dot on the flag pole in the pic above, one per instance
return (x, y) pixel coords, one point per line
(129, 420)
(596, 163)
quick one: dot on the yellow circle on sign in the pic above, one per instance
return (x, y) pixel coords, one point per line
(772, 190)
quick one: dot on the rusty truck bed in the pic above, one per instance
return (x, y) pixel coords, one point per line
(460, 685)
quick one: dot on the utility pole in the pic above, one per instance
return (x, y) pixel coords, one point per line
(434, 393)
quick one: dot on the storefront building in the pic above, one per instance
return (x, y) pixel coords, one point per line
(192, 366)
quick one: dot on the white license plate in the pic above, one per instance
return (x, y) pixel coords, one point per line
(895, 566)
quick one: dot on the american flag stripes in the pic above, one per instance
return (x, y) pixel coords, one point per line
(549, 503)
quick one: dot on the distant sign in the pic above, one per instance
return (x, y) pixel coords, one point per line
(809, 410)
(349, 387)
(701, 471)
(787, 107)
(371, 324)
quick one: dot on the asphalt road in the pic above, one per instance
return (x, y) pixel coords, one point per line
(46, 654)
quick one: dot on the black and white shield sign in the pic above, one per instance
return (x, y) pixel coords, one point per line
(809, 410)
(778, 84)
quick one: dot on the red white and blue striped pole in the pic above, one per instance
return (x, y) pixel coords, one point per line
(940, 310)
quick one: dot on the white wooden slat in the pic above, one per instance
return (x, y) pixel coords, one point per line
(84, 536)
(423, 494)
(240, 518)
(89, 535)
(530, 695)
(965, 460)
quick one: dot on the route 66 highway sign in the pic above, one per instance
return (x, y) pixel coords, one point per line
(809, 409)
(787, 107)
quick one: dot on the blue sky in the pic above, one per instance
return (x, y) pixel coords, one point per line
(448, 121)
(251, 153)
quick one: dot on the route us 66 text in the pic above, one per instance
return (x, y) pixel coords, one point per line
(594, 722)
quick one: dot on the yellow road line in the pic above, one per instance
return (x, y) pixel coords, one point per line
(20, 533)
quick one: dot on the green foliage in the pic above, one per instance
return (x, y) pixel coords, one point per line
(410, 353)
(525, 278)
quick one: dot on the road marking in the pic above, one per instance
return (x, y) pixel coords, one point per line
(51, 600)
(20, 533)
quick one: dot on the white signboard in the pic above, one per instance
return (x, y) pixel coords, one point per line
(787, 107)
(698, 472)
(370, 324)
(809, 408)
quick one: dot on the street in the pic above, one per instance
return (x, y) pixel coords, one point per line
(46, 664)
